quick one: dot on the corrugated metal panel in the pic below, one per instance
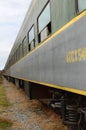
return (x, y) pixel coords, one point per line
(62, 12)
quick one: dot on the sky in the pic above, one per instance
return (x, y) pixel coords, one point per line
(12, 14)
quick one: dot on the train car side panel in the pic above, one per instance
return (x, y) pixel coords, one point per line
(51, 63)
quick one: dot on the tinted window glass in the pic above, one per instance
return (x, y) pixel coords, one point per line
(81, 5)
(44, 18)
(31, 34)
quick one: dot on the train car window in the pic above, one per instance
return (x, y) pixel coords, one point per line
(14, 57)
(24, 46)
(17, 54)
(81, 5)
(31, 38)
(44, 23)
(21, 51)
(12, 60)
(31, 34)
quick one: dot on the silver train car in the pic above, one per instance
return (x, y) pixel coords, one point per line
(48, 58)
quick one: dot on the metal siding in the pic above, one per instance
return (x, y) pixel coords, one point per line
(48, 64)
(72, 74)
(30, 19)
(62, 11)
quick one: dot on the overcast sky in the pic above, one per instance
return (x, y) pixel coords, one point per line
(12, 13)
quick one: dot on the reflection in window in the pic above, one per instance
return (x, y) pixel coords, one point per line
(31, 38)
(44, 23)
(21, 51)
(44, 18)
(24, 46)
(81, 5)
(31, 34)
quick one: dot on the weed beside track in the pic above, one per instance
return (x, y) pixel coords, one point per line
(4, 122)
(17, 112)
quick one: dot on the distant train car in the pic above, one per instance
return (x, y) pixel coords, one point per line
(48, 59)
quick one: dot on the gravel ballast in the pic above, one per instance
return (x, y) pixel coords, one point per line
(28, 114)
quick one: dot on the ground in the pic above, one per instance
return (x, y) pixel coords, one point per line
(25, 114)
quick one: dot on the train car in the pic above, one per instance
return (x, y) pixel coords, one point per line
(48, 58)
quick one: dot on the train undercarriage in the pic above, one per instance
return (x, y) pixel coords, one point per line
(73, 109)
(71, 106)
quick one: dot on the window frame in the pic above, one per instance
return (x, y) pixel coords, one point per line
(40, 15)
(49, 23)
(33, 40)
(24, 46)
(77, 7)
(30, 31)
(21, 50)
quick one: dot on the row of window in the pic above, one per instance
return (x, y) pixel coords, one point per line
(44, 30)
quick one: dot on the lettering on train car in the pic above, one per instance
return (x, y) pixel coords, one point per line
(76, 55)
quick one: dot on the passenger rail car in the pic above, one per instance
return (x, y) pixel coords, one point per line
(48, 59)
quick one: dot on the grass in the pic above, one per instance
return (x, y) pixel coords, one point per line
(5, 123)
(3, 99)
(1, 80)
(60, 129)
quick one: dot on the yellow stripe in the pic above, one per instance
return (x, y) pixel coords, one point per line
(61, 87)
(52, 36)
(56, 33)
(81, 92)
